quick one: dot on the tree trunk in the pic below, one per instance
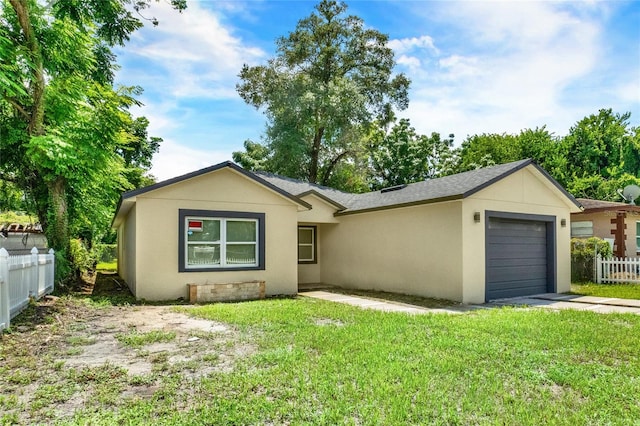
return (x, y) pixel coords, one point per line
(315, 155)
(36, 119)
(58, 229)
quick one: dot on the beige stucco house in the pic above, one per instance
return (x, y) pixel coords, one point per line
(490, 233)
(618, 223)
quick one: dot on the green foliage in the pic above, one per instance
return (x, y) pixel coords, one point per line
(82, 258)
(330, 78)
(105, 252)
(255, 156)
(490, 149)
(602, 155)
(583, 254)
(11, 197)
(63, 269)
(15, 217)
(68, 141)
(401, 156)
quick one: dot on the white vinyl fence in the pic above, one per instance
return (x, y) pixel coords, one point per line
(21, 278)
(617, 270)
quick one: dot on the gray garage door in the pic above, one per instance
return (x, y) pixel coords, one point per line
(517, 258)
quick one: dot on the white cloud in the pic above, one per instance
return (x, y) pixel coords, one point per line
(175, 159)
(405, 45)
(189, 54)
(510, 72)
(408, 61)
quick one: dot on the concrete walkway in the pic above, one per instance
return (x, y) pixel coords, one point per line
(549, 301)
(383, 305)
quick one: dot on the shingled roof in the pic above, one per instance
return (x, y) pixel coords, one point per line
(591, 206)
(446, 188)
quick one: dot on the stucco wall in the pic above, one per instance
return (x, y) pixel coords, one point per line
(309, 273)
(322, 212)
(413, 250)
(522, 192)
(127, 250)
(602, 227)
(157, 230)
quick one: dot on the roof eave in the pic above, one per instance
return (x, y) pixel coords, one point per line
(323, 197)
(401, 205)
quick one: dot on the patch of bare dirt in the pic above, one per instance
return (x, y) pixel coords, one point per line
(72, 345)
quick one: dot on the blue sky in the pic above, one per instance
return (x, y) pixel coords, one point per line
(476, 67)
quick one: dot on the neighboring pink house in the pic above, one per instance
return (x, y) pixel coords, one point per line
(618, 223)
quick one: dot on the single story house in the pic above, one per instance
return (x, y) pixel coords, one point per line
(618, 223)
(496, 232)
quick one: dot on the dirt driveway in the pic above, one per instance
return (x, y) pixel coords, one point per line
(67, 354)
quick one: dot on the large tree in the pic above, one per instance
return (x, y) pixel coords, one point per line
(402, 156)
(602, 153)
(65, 129)
(490, 149)
(331, 77)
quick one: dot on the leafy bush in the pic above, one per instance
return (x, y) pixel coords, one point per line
(106, 253)
(583, 254)
(82, 259)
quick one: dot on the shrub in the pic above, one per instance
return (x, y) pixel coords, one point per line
(81, 257)
(583, 254)
(106, 253)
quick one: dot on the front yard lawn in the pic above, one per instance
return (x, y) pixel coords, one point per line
(307, 361)
(623, 291)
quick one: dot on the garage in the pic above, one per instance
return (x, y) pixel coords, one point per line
(520, 255)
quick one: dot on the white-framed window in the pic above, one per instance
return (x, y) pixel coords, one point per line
(307, 244)
(637, 237)
(212, 240)
(581, 229)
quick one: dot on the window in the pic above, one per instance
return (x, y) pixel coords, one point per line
(217, 240)
(582, 229)
(307, 244)
(637, 237)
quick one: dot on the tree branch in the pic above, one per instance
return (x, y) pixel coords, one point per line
(36, 118)
(19, 108)
(332, 165)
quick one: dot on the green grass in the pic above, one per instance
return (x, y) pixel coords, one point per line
(16, 217)
(623, 291)
(138, 340)
(503, 366)
(107, 266)
(308, 361)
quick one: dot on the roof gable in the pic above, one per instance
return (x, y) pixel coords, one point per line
(128, 198)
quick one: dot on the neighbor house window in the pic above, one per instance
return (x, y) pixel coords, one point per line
(637, 237)
(217, 240)
(582, 229)
(307, 244)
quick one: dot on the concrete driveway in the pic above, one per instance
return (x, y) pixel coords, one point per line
(554, 301)
(602, 305)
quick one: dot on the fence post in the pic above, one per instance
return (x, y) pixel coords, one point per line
(35, 269)
(51, 268)
(598, 269)
(5, 308)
